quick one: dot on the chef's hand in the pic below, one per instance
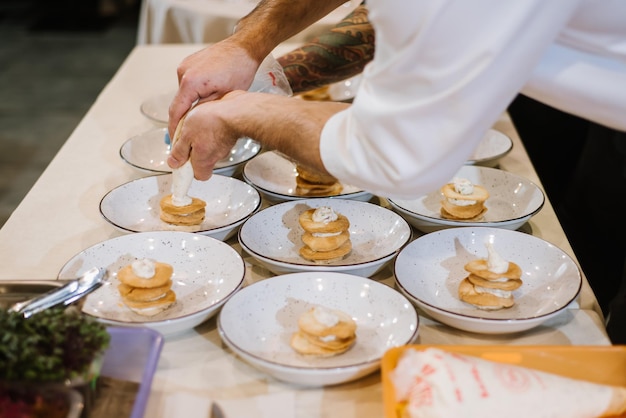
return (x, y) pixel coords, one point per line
(209, 74)
(206, 136)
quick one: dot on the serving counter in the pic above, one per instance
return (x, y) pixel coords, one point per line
(60, 217)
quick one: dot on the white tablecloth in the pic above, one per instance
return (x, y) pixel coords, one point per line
(60, 217)
(205, 21)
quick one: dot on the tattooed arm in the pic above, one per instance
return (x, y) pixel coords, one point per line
(336, 55)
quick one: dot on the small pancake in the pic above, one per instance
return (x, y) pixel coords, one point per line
(169, 207)
(163, 274)
(318, 94)
(319, 190)
(194, 218)
(152, 307)
(508, 284)
(464, 213)
(139, 294)
(308, 176)
(303, 346)
(337, 344)
(326, 256)
(308, 224)
(480, 269)
(325, 243)
(345, 328)
(486, 301)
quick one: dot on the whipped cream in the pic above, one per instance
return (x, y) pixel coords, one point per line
(144, 268)
(325, 316)
(327, 338)
(496, 292)
(325, 234)
(464, 187)
(181, 181)
(495, 262)
(324, 214)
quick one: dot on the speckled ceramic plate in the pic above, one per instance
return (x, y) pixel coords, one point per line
(512, 201)
(258, 321)
(275, 177)
(493, 146)
(156, 108)
(134, 206)
(273, 237)
(149, 152)
(206, 273)
(428, 271)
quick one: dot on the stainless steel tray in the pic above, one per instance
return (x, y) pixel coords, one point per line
(13, 291)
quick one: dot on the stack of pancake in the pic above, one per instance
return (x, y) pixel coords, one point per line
(324, 332)
(313, 183)
(178, 208)
(325, 240)
(463, 200)
(187, 215)
(488, 290)
(147, 296)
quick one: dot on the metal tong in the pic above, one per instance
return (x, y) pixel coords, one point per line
(64, 295)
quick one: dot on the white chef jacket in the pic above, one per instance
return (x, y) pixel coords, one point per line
(445, 70)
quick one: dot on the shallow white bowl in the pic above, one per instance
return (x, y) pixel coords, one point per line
(428, 271)
(258, 321)
(273, 237)
(156, 108)
(275, 177)
(149, 152)
(491, 148)
(134, 206)
(206, 273)
(512, 201)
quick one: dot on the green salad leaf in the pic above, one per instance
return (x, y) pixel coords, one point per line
(53, 345)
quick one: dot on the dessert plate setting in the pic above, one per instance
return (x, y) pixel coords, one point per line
(206, 273)
(134, 206)
(156, 108)
(428, 271)
(512, 201)
(491, 148)
(275, 177)
(258, 321)
(149, 152)
(273, 237)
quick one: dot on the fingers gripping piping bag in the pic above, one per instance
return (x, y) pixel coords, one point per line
(269, 78)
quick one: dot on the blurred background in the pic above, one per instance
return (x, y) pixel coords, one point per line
(55, 58)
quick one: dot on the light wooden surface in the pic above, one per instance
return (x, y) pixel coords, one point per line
(60, 217)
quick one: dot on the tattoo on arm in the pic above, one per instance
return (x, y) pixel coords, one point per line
(336, 55)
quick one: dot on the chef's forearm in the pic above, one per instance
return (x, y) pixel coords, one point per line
(274, 21)
(335, 55)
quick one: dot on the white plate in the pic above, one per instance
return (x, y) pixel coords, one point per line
(512, 201)
(428, 271)
(258, 321)
(156, 108)
(275, 177)
(493, 146)
(149, 152)
(273, 237)
(134, 206)
(345, 90)
(206, 273)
